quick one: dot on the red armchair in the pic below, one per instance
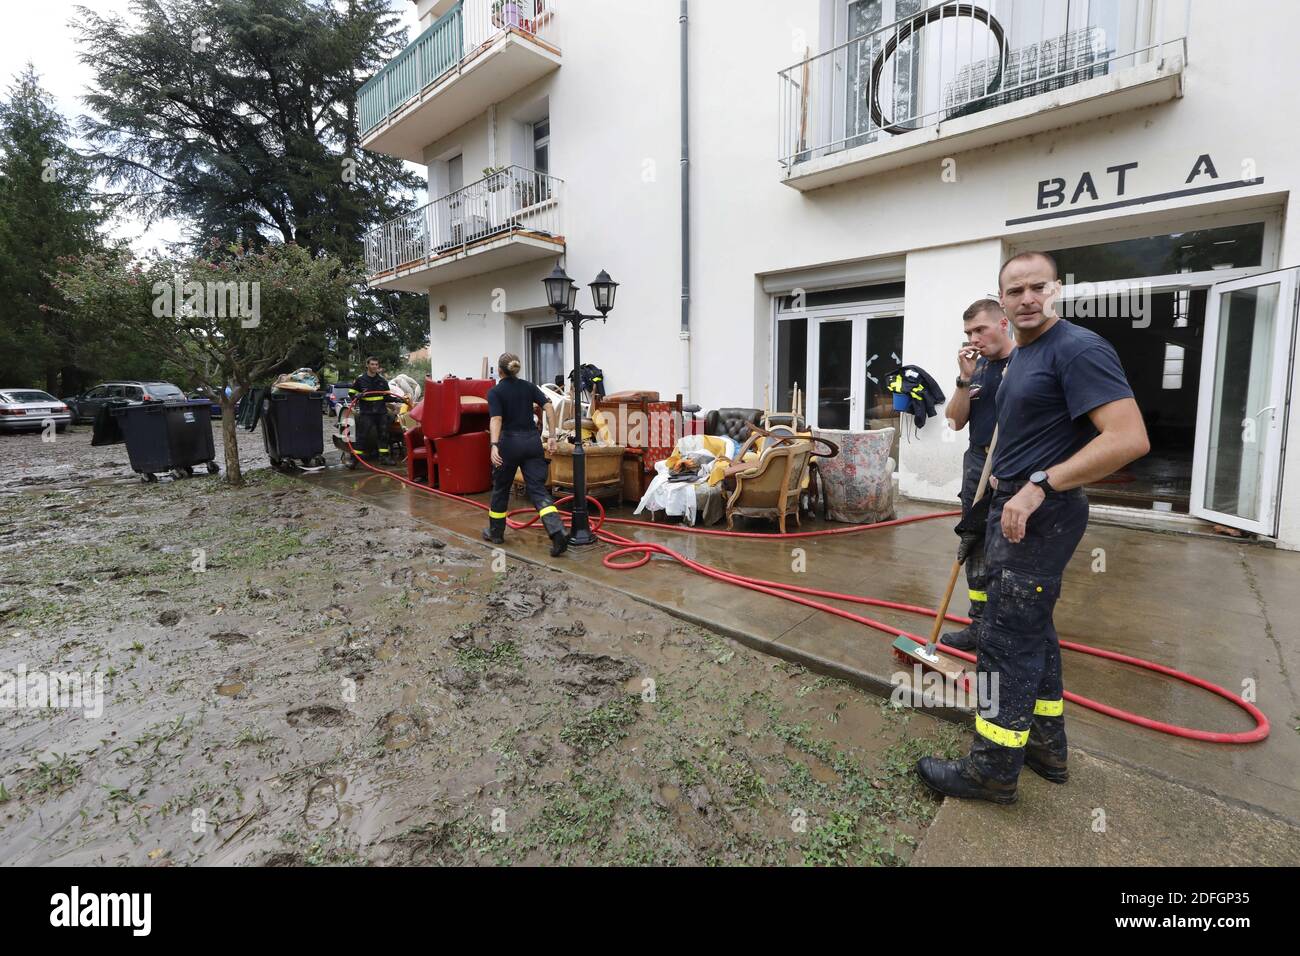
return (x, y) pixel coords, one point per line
(452, 445)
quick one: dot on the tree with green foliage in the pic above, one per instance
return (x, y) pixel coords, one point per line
(229, 317)
(47, 210)
(238, 119)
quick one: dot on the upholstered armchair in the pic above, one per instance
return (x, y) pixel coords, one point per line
(770, 487)
(732, 423)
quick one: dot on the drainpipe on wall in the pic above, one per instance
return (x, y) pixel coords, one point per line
(685, 333)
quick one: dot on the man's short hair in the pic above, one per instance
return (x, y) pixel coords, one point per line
(980, 306)
(371, 358)
(1021, 257)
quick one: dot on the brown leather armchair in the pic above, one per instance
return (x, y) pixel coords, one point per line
(732, 423)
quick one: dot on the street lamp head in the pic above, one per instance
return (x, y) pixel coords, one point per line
(558, 294)
(603, 290)
(572, 301)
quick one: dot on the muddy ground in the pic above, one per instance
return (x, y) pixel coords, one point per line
(335, 686)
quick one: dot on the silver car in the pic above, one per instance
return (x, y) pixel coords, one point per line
(26, 408)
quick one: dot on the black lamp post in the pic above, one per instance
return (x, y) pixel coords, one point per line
(562, 296)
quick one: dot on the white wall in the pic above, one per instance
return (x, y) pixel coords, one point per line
(614, 117)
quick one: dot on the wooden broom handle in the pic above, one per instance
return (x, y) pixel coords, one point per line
(956, 565)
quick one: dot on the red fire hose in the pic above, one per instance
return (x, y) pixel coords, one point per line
(645, 551)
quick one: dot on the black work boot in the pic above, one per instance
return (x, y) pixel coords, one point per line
(495, 532)
(1046, 752)
(554, 526)
(959, 778)
(967, 639)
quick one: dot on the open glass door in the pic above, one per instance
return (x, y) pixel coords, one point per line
(1245, 373)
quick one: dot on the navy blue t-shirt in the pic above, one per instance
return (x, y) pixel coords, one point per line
(1047, 391)
(512, 399)
(984, 382)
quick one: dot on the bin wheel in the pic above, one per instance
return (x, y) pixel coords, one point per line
(275, 463)
(180, 473)
(318, 461)
(148, 477)
(214, 468)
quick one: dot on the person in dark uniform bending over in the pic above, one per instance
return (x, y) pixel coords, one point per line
(980, 364)
(1066, 417)
(370, 413)
(517, 445)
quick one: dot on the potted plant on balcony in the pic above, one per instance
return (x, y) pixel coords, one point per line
(496, 178)
(525, 192)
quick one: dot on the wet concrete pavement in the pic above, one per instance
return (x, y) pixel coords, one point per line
(1223, 610)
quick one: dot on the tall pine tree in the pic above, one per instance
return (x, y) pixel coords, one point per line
(47, 211)
(238, 119)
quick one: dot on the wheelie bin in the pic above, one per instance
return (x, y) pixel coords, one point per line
(291, 429)
(171, 437)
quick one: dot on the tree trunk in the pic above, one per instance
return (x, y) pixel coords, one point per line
(230, 439)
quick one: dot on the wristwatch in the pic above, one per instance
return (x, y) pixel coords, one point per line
(1039, 478)
(963, 382)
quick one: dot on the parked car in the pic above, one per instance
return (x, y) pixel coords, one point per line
(336, 398)
(86, 405)
(28, 408)
(202, 394)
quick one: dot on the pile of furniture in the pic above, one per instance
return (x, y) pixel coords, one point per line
(451, 449)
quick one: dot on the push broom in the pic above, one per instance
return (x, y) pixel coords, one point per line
(927, 655)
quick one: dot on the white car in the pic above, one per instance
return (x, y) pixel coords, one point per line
(26, 408)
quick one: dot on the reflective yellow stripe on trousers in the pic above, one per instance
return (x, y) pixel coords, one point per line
(498, 514)
(1000, 735)
(978, 595)
(549, 509)
(1049, 708)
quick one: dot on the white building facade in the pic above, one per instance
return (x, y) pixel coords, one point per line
(858, 170)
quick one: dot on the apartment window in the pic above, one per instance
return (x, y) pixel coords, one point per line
(542, 145)
(541, 160)
(455, 173)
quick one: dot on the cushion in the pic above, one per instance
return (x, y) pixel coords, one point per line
(732, 422)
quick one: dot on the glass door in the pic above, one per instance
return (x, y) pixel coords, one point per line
(856, 26)
(1245, 372)
(849, 357)
(546, 354)
(836, 371)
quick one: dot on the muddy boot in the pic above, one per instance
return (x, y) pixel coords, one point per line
(988, 772)
(495, 532)
(554, 525)
(959, 778)
(967, 639)
(1046, 751)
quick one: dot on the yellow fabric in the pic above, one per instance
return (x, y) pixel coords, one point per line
(498, 514)
(549, 509)
(978, 595)
(716, 446)
(603, 434)
(1049, 708)
(1000, 735)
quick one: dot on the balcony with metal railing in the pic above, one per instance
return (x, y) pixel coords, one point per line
(475, 54)
(956, 76)
(505, 219)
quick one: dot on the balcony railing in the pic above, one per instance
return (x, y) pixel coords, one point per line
(951, 60)
(512, 201)
(454, 39)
